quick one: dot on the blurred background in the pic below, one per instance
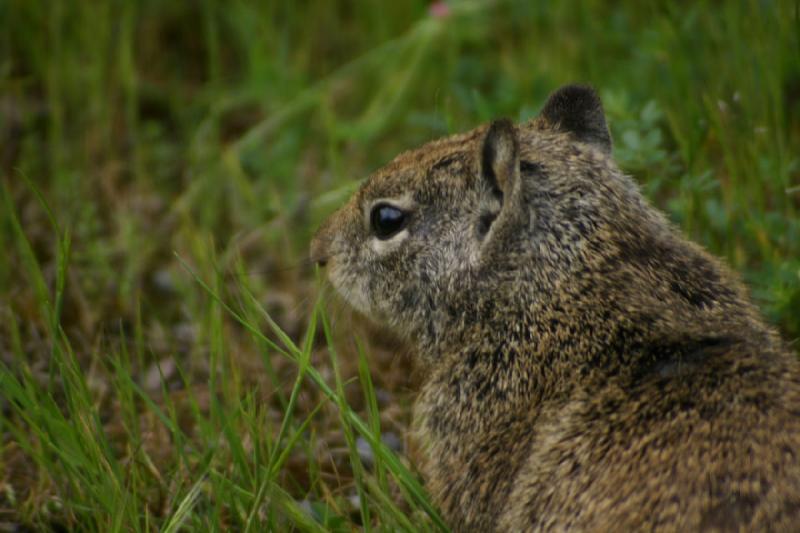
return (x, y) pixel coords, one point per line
(164, 164)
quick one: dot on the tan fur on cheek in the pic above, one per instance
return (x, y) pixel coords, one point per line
(353, 289)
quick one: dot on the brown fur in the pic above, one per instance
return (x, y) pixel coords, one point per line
(588, 367)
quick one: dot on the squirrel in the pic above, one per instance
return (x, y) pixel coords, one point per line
(587, 367)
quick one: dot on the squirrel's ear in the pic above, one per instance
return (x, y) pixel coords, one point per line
(500, 156)
(577, 109)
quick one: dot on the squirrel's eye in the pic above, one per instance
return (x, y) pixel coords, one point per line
(386, 220)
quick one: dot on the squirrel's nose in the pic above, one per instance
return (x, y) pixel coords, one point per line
(318, 252)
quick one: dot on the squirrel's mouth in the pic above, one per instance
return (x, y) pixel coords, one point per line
(352, 289)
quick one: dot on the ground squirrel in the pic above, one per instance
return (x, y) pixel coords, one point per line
(587, 367)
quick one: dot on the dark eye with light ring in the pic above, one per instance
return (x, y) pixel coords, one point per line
(386, 220)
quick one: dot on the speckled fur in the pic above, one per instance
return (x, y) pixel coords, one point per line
(588, 368)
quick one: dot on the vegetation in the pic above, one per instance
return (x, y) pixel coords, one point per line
(166, 359)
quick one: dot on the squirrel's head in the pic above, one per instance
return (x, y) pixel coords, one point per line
(472, 217)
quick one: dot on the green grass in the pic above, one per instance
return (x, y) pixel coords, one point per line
(166, 358)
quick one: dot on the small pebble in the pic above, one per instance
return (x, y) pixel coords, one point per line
(390, 439)
(163, 281)
(355, 501)
(152, 378)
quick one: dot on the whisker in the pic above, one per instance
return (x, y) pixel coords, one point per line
(299, 266)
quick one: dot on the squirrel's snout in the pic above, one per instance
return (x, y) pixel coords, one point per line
(318, 251)
(325, 241)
